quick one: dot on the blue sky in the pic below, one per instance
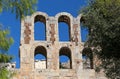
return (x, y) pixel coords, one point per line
(51, 7)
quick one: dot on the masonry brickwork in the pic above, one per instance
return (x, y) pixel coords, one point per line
(52, 48)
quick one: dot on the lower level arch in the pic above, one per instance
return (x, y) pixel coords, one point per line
(65, 51)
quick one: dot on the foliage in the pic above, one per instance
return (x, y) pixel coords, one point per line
(4, 73)
(5, 42)
(102, 18)
(20, 7)
(5, 58)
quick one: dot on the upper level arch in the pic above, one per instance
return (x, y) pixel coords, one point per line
(62, 19)
(83, 30)
(39, 25)
(38, 14)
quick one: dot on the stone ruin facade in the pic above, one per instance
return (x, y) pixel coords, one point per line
(52, 48)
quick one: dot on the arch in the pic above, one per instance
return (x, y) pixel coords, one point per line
(87, 58)
(64, 17)
(40, 27)
(38, 13)
(41, 18)
(64, 13)
(40, 64)
(65, 51)
(82, 29)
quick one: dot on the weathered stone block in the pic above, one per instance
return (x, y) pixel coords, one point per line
(53, 48)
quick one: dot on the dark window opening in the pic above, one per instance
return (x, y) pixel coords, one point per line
(87, 57)
(64, 28)
(40, 28)
(40, 58)
(65, 59)
(64, 62)
(64, 34)
(84, 33)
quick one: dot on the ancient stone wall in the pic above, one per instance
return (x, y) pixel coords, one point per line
(53, 48)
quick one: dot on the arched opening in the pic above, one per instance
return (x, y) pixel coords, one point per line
(87, 57)
(40, 58)
(65, 59)
(84, 30)
(40, 28)
(84, 33)
(64, 28)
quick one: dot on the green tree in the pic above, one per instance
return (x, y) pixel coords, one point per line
(5, 42)
(21, 8)
(102, 18)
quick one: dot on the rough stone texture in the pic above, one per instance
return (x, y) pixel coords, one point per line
(27, 32)
(52, 32)
(75, 38)
(52, 46)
